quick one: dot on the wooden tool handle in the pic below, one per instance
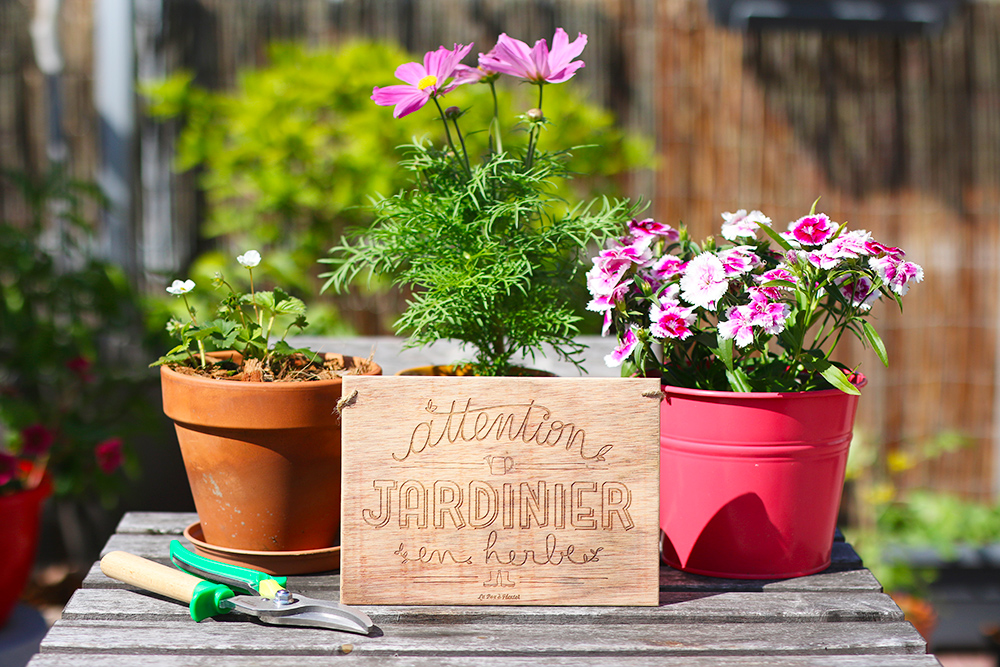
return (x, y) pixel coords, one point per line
(150, 576)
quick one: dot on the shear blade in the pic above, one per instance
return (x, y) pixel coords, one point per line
(304, 612)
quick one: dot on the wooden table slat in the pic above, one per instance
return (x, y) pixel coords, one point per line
(128, 605)
(153, 660)
(229, 635)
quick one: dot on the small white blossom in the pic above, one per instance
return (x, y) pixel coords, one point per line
(180, 287)
(249, 259)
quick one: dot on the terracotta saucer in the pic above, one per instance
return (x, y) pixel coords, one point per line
(272, 562)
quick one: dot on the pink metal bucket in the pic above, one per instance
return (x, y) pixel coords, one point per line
(750, 484)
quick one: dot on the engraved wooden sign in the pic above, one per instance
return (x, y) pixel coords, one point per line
(469, 490)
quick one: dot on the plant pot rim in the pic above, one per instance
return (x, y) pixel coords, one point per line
(238, 385)
(859, 382)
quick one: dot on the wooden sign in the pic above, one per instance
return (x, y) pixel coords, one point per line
(469, 490)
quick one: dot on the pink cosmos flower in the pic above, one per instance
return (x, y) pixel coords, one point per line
(465, 74)
(109, 455)
(743, 224)
(36, 440)
(811, 229)
(624, 349)
(423, 81)
(896, 273)
(538, 63)
(858, 291)
(739, 260)
(8, 467)
(652, 229)
(738, 326)
(704, 281)
(671, 320)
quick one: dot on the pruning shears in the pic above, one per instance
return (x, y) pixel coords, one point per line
(208, 588)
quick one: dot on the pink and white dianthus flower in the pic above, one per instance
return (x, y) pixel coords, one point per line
(668, 266)
(652, 229)
(811, 230)
(422, 81)
(671, 320)
(850, 245)
(738, 326)
(768, 315)
(857, 290)
(623, 350)
(897, 273)
(742, 224)
(611, 265)
(704, 281)
(739, 260)
(875, 249)
(538, 64)
(778, 273)
(605, 302)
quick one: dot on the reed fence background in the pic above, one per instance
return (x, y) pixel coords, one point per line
(899, 134)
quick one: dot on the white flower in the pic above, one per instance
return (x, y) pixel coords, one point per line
(181, 287)
(249, 259)
(742, 224)
(704, 281)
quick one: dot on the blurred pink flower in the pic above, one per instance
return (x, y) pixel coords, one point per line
(36, 440)
(109, 455)
(423, 81)
(80, 365)
(8, 467)
(538, 63)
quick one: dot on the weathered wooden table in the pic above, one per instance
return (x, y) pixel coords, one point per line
(836, 618)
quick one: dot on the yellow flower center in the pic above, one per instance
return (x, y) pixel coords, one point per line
(427, 82)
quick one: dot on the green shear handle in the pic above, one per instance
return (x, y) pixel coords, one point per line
(234, 576)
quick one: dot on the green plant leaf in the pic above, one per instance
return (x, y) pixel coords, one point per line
(776, 237)
(876, 341)
(738, 380)
(835, 376)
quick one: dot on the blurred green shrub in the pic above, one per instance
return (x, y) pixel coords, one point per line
(292, 156)
(887, 522)
(64, 319)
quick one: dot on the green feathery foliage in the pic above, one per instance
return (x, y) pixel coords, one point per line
(490, 251)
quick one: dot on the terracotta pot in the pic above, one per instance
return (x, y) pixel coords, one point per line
(750, 483)
(21, 513)
(262, 458)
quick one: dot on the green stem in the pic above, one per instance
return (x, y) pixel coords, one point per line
(253, 297)
(495, 129)
(461, 140)
(533, 135)
(447, 132)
